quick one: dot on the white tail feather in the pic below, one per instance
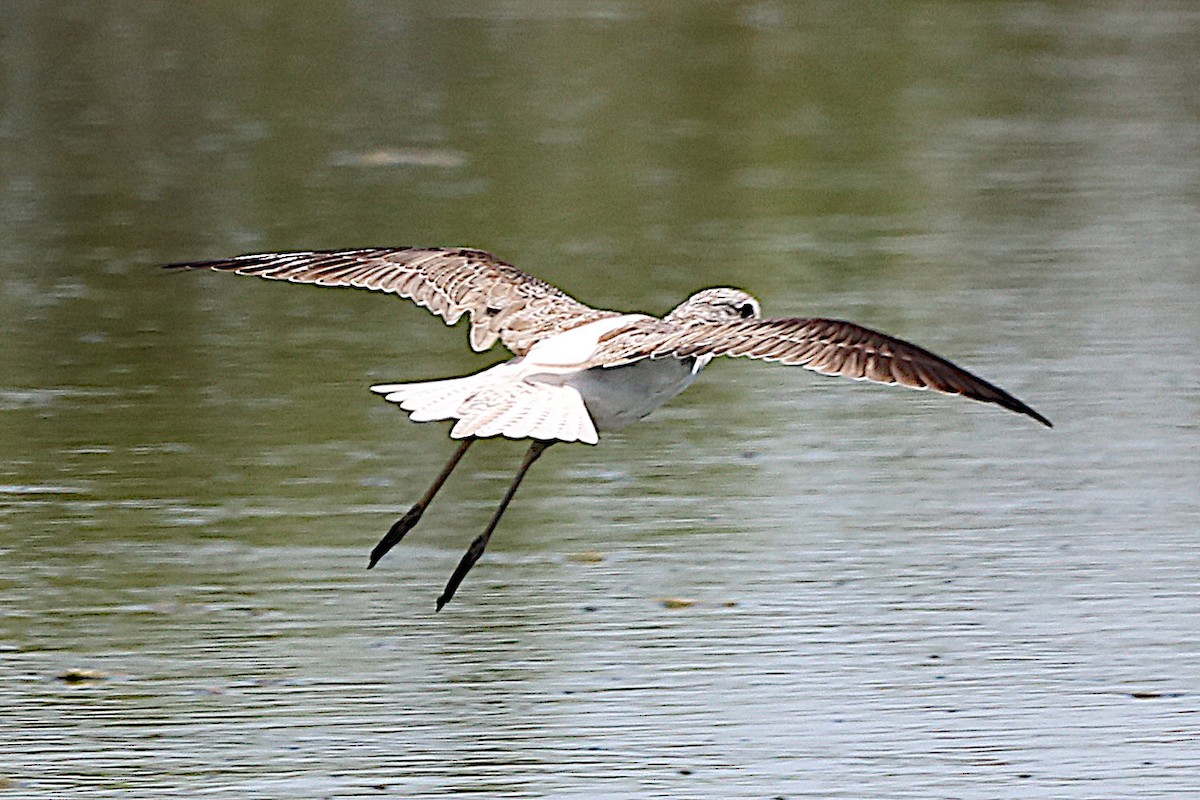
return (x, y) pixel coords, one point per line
(497, 405)
(432, 400)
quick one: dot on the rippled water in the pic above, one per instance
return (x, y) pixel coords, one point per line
(780, 585)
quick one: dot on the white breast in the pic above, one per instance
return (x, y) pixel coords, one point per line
(619, 396)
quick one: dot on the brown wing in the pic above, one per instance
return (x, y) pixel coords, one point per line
(502, 301)
(828, 346)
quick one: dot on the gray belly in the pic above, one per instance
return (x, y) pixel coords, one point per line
(618, 396)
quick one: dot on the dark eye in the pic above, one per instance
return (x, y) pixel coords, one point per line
(745, 311)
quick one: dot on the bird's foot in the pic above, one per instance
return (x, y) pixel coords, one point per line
(396, 533)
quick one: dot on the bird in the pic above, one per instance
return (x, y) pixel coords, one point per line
(579, 371)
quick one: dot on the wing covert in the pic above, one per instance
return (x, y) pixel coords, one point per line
(502, 301)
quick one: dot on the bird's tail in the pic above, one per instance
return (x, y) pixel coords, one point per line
(490, 404)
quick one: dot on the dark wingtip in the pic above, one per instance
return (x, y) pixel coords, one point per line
(1013, 404)
(991, 393)
(221, 263)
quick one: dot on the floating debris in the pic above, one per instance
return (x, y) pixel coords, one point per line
(79, 675)
(402, 157)
(689, 602)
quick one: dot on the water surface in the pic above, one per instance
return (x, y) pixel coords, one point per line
(779, 586)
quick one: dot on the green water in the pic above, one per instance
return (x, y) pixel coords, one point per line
(888, 593)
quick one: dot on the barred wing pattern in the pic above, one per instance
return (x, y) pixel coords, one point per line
(503, 302)
(828, 346)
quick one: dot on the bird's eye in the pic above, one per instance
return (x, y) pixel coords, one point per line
(745, 311)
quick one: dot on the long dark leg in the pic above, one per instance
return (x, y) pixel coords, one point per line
(410, 519)
(477, 546)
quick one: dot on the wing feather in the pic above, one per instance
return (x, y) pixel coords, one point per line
(502, 301)
(828, 346)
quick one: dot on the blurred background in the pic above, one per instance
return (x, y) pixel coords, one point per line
(780, 585)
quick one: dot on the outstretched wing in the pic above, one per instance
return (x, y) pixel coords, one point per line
(502, 301)
(828, 346)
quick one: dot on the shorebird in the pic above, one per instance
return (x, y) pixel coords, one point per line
(580, 370)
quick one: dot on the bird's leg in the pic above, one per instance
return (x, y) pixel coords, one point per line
(477, 547)
(413, 515)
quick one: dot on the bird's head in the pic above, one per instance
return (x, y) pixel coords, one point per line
(722, 304)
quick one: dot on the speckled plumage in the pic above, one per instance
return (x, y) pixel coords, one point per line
(579, 370)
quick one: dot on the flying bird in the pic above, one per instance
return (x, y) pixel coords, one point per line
(578, 371)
